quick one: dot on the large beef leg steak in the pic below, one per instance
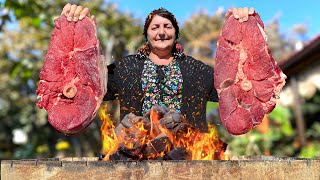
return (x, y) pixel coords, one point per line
(247, 78)
(73, 78)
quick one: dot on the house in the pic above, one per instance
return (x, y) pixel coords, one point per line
(303, 83)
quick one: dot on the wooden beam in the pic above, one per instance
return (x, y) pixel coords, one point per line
(300, 125)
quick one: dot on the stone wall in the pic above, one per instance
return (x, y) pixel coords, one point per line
(91, 168)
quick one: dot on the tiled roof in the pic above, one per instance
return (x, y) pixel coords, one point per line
(303, 58)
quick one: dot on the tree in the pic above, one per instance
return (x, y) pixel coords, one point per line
(200, 34)
(279, 45)
(24, 38)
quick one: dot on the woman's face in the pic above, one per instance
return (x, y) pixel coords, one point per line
(161, 34)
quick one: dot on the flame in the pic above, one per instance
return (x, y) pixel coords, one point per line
(203, 146)
(108, 135)
(200, 146)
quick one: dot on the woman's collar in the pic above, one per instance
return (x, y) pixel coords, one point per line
(176, 55)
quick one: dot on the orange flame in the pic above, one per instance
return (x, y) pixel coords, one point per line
(108, 135)
(201, 146)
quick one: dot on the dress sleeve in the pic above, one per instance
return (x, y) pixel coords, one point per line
(112, 89)
(213, 95)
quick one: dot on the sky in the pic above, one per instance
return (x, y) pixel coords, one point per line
(289, 12)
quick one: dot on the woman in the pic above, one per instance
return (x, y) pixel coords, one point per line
(160, 73)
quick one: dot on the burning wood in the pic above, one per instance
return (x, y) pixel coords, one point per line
(161, 134)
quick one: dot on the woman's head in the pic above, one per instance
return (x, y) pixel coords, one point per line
(161, 31)
(164, 14)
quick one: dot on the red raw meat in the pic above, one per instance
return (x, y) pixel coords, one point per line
(73, 79)
(247, 78)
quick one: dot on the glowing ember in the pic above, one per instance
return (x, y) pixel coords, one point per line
(164, 134)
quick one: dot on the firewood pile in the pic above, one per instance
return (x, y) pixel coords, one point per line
(161, 134)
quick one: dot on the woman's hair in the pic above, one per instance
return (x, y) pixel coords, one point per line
(145, 49)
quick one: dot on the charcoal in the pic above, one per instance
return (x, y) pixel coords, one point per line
(179, 153)
(161, 158)
(156, 113)
(154, 148)
(142, 139)
(130, 120)
(126, 120)
(175, 116)
(220, 150)
(160, 110)
(120, 129)
(149, 152)
(132, 153)
(118, 156)
(124, 153)
(162, 143)
(155, 131)
(171, 119)
(101, 156)
(182, 129)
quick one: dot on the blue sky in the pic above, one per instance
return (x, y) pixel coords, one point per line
(291, 12)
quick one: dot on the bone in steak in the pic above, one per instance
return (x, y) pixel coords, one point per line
(247, 78)
(73, 77)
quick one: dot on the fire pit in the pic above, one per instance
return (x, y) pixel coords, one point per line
(90, 168)
(162, 134)
(142, 148)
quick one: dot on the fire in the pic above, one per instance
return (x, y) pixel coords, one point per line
(108, 135)
(146, 137)
(204, 146)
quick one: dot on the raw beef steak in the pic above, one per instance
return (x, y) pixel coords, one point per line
(247, 78)
(73, 78)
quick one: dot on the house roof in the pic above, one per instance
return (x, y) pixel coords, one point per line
(302, 59)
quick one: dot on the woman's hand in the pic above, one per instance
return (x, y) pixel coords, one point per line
(242, 14)
(75, 13)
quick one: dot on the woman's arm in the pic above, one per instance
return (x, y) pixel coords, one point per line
(112, 88)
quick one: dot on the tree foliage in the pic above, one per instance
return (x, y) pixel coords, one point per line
(280, 47)
(199, 35)
(25, 37)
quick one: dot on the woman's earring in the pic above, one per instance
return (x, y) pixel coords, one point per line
(179, 48)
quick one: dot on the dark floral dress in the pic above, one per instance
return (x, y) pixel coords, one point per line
(161, 85)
